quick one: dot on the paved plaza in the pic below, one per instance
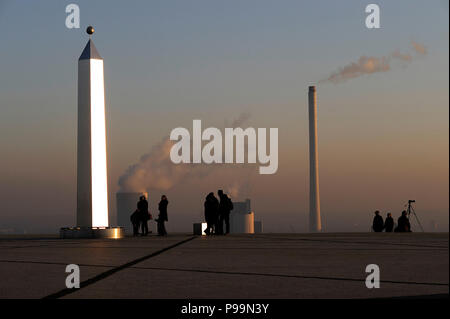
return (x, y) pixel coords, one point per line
(326, 265)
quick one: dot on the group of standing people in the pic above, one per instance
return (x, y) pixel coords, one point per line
(217, 212)
(403, 225)
(141, 216)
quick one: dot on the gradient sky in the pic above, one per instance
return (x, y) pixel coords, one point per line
(383, 138)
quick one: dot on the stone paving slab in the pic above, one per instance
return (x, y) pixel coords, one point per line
(236, 266)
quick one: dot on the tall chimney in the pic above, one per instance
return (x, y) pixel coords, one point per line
(315, 224)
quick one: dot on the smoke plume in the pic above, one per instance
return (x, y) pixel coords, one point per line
(370, 65)
(402, 56)
(241, 120)
(155, 170)
(419, 48)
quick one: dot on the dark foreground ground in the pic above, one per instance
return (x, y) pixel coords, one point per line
(237, 266)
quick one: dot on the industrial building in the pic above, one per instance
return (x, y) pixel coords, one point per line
(126, 204)
(242, 219)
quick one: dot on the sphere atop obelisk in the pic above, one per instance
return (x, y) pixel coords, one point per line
(90, 51)
(90, 30)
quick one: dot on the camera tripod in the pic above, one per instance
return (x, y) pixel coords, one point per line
(410, 210)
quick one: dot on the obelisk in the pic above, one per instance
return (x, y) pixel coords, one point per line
(92, 193)
(315, 224)
(92, 180)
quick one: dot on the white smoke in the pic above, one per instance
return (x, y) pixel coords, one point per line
(419, 48)
(241, 120)
(370, 65)
(402, 56)
(240, 189)
(233, 190)
(155, 170)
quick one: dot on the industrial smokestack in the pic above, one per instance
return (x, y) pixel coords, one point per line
(315, 224)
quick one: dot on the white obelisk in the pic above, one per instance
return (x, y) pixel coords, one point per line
(315, 224)
(92, 194)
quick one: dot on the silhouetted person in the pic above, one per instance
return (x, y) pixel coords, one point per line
(378, 223)
(162, 218)
(225, 207)
(135, 219)
(389, 223)
(211, 213)
(142, 207)
(403, 225)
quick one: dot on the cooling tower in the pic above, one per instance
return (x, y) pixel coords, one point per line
(242, 223)
(126, 205)
(242, 219)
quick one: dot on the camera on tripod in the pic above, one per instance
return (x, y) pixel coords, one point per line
(410, 210)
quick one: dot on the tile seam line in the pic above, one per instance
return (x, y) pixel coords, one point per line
(108, 273)
(291, 276)
(240, 273)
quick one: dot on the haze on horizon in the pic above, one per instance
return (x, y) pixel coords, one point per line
(383, 135)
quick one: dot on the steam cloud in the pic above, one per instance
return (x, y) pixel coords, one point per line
(370, 65)
(419, 48)
(156, 171)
